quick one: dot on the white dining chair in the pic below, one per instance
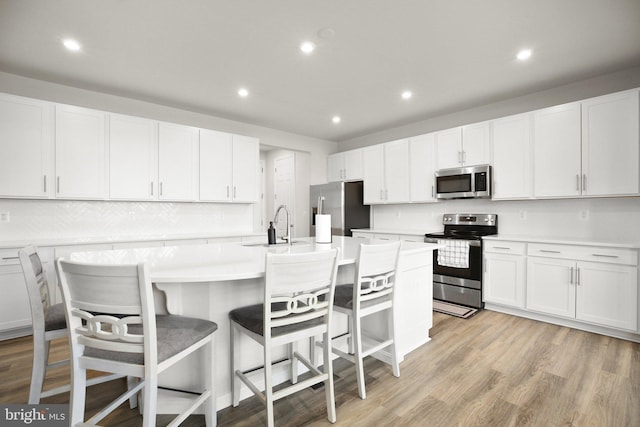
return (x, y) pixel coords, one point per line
(372, 291)
(298, 299)
(49, 323)
(113, 328)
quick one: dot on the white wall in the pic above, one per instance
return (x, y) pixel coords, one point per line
(610, 219)
(52, 218)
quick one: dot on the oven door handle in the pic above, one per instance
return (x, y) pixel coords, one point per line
(475, 243)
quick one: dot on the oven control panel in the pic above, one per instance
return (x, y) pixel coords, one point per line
(470, 219)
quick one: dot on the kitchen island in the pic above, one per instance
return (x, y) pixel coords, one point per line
(208, 281)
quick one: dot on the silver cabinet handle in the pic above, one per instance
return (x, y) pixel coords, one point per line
(549, 252)
(464, 157)
(459, 156)
(571, 275)
(501, 247)
(578, 182)
(234, 191)
(45, 183)
(152, 188)
(578, 276)
(584, 182)
(161, 188)
(433, 191)
(381, 194)
(58, 184)
(386, 194)
(227, 191)
(605, 256)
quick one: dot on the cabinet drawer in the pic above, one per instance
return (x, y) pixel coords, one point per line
(9, 257)
(379, 236)
(585, 253)
(410, 238)
(501, 247)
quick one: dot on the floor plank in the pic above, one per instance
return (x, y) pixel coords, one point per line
(490, 370)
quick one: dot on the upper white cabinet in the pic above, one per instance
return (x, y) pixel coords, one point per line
(511, 153)
(228, 167)
(133, 171)
(80, 148)
(588, 148)
(345, 166)
(422, 167)
(556, 147)
(177, 162)
(610, 145)
(386, 173)
(26, 147)
(464, 146)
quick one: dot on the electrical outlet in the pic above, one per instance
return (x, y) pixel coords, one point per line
(5, 217)
(584, 215)
(523, 215)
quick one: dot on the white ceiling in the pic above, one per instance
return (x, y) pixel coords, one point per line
(195, 54)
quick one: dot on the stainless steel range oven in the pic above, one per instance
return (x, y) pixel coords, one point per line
(457, 268)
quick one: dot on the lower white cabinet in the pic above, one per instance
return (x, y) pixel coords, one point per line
(504, 273)
(605, 292)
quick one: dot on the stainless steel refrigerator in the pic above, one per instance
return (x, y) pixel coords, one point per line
(344, 202)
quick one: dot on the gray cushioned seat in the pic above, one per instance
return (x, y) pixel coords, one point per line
(175, 333)
(252, 318)
(54, 319)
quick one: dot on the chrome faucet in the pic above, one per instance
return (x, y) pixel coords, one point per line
(275, 221)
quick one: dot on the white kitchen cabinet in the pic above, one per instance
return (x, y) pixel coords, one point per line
(610, 147)
(511, 157)
(556, 147)
(177, 162)
(133, 163)
(386, 173)
(463, 146)
(449, 148)
(228, 167)
(422, 168)
(246, 164)
(26, 147)
(80, 153)
(504, 273)
(589, 284)
(345, 166)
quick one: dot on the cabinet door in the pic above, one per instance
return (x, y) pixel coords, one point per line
(607, 294)
(373, 159)
(80, 152)
(476, 144)
(422, 167)
(132, 158)
(353, 165)
(449, 148)
(26, 147)
(511, 149)
(550, 287)
(335, 167)
(396, 171)
(504, 279)
(15, 311)
(216, 151)
(177, 162)
(246, 164)
(610, 149)
(556, 146)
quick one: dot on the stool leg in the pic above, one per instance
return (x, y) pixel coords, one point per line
(328, 385)
(210, 412)
(40, 361)
(392, 336)
(150, 400)
(235, 364)
(78, 395)
(293, 347)
(268, 384)
(357, 336)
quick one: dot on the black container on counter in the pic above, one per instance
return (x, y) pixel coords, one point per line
(271, 234)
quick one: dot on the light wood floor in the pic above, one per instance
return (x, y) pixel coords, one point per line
(490, 370)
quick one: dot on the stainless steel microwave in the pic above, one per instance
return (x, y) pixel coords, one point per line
(469, 182)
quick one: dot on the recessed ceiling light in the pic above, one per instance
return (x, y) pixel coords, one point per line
(307, 47)
(336, 119)
(243, 92)
(407, 94)
(524, 54)
(71, 45)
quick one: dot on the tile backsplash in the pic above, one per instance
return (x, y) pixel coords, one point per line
(31, 219)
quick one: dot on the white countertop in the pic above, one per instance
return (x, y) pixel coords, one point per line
(222, 261)
(391, 231)
(565, 240)
(89, 240)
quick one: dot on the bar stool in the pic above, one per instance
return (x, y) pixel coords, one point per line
(48, 323)
(298, 299)
(113, 328)
(371, 292)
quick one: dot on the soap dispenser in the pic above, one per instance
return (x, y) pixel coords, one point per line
(271, 234)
